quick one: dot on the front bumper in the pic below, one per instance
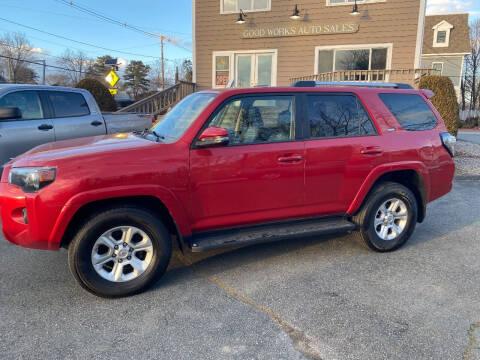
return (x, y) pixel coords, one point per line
(37, 233)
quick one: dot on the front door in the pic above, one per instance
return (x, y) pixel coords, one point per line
(20, 135)
(254, 70)
(259, 176)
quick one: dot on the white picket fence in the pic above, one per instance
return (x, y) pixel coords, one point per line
(465, 114)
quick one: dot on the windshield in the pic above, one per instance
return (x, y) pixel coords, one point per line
(178, 120)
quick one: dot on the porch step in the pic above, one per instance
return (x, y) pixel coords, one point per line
(268, 232)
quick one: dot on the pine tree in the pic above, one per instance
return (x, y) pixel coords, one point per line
(135, 77)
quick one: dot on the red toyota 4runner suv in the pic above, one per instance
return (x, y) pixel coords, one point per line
(231, 168)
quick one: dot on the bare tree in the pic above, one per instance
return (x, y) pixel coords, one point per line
(155, 75)
(16, 52)
(472, 66)
(59, 79)
(76, 64)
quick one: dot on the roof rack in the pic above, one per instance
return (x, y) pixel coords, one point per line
(311, 83)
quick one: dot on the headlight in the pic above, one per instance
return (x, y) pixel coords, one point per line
(31, 179)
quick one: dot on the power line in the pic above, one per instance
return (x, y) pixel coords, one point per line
(41, 64)
(77, 41)
(120, 23)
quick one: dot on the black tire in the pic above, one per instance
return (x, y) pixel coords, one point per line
(365, 219)
(80, 251)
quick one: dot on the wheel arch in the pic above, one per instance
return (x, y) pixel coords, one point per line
(413, 178)
(151, 203)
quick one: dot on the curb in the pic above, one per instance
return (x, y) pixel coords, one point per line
(467, 178)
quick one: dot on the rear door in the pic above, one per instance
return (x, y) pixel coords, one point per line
(72, 117)
(34, 128)
(259, 176)
(341, 151)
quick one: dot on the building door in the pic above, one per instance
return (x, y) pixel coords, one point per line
(254, 70)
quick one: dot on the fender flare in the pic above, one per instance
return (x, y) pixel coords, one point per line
(383, 169)
(171, 202)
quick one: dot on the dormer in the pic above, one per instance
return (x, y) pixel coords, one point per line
(441, 34)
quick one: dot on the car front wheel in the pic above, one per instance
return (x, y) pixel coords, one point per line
(388, 217)
(119, 252)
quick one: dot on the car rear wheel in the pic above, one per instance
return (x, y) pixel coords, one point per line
(119, 252)
(388, 217)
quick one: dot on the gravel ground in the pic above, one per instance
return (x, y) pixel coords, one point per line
(467, 158)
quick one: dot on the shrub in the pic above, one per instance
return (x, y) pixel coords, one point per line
(445, 99)
(104, 99)
(470, 123)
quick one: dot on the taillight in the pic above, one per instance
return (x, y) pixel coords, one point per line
(449, 142)
(154, 120)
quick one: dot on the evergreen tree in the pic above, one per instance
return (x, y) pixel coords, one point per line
(136, 78)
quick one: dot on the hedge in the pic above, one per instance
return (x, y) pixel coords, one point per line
(104, 99)
(445, 99)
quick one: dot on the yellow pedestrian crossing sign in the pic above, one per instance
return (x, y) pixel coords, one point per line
(112, 78)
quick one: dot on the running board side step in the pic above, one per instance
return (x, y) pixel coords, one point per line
(270, 232)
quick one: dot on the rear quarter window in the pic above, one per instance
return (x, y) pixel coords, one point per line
(411, 111)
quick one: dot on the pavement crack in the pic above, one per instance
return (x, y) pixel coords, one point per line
(468, 354)
(300, 340)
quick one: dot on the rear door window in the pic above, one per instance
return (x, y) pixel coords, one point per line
(411, 111)
(68, 104)
(27, 101)
(338, 115)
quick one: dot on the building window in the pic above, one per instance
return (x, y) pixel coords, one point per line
(349, 2)
(364, 57)
(441, 34)
(438, 66)
(441, 37)
(222, 70)
(245, 68)
(234, 6)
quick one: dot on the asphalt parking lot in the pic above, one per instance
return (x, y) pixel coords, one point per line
(322, 298)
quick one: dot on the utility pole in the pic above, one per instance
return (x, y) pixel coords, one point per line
(9, 69)
(163, 63)
(44, 66)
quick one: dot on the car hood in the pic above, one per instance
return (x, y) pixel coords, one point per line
(74, 148)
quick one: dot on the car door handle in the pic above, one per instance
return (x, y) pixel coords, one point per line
(96, 123)
(371, 150)
(288, 159)
(45, 127)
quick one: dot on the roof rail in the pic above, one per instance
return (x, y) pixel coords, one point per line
(312, 83)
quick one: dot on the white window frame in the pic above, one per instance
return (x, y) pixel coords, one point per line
(232, 63)
(388, 46)
(237, 10)
(442, 26)
(329, 3)
(438, 62)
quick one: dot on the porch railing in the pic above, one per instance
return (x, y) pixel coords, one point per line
(159, 103)
(409, 76)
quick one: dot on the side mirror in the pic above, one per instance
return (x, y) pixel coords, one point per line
(213, 136)
(10, 113)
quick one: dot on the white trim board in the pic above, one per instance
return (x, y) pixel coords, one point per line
(194, 45)
(420, 34)
(446, 54)
(359, 2)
